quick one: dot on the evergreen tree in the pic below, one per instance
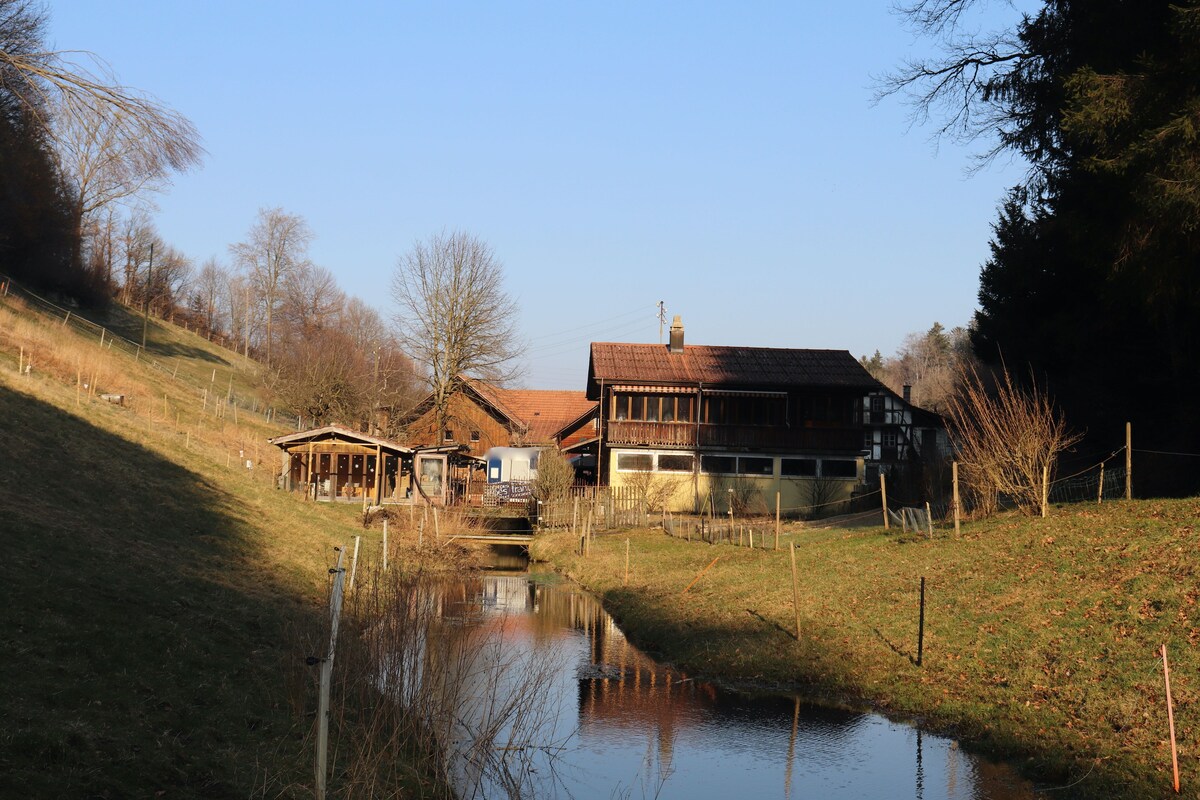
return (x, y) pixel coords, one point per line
(1092, 283)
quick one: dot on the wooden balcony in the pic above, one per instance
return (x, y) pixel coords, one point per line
(731, 437)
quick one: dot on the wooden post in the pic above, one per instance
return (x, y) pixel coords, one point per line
(575, 517)
(921, 625)
(1171, 719)
(701, 575)
(1128, 460)
(626, 561)
(883, 492)
(378, 474)
(929, 518)
(777, 520)
(795, 589)
(1100, 491)
(21, 361)
(385, 544)
(354, 561)
(335, 613)
(954, 501)
(1045, 489)
(437, 530)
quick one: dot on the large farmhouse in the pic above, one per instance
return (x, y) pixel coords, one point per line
(730, 425)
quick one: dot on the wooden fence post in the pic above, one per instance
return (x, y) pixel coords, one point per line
(1045, 489)
(626, 561)
(883, 492)
(1128, 460)
(1100, 491)
(1171, 719)
(954, 501)
(335, 613)
(354, 561)
(777, 520)
(929, 518)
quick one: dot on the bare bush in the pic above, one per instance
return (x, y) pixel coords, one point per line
(744, 496)
(653, 491)
(555, 476)
(1007, 439)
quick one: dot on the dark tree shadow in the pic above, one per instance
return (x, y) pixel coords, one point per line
(138, 621)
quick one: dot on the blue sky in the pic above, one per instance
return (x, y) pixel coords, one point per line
(723, 158)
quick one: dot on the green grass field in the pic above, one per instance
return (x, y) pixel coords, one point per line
(1041, 639)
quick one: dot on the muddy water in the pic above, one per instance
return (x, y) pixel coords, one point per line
(599, 719)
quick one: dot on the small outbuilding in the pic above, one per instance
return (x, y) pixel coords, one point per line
(334, 463)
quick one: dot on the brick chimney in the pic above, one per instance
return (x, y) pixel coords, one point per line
(676, 340)
(907, 393)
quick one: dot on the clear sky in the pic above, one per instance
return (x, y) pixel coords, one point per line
(724, 158)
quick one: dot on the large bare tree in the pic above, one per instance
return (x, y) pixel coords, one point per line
(113, 143)
(455, 319)
(276, 247)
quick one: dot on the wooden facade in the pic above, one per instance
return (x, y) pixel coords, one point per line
(715, 422)
(471, 422)
(341, 465)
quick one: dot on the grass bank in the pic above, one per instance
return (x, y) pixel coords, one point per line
(1041, 635)
(160, 597)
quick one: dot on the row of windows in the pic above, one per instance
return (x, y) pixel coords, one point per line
(761, 466)
(730, 410)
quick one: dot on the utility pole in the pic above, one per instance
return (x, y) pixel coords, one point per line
(662, 318)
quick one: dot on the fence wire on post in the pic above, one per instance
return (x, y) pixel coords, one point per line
(335, 614)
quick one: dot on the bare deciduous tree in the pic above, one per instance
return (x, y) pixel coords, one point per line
(311, 300)
(1005, 438)
(276, 246)
(206, 293)
(455, 318)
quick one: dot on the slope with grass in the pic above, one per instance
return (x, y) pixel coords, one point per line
(1041, 641)
(159, 596)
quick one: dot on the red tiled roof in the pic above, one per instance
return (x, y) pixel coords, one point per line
(544, 411)
(717, 366)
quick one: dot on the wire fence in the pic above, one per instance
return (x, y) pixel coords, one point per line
(165, 365)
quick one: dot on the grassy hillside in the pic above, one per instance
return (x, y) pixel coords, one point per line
(1041, 635)
(159, 597)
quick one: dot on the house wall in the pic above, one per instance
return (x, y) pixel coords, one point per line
(762, 476)
(470, 424)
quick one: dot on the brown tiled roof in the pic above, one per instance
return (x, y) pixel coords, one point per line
(544, 411)
(718, 366)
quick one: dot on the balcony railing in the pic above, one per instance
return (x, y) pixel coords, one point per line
(734, 437)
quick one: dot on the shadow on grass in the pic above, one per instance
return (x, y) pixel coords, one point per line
(142, 649)
(894, 647)
(159, 341)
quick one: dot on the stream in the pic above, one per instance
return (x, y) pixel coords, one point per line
(550, 700)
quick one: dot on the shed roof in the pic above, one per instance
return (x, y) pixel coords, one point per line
(722, 366)
(337, 433)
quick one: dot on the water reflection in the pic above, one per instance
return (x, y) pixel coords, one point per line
(612, 723)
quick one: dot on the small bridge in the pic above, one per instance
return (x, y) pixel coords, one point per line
(500, 530)
(495, 537)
